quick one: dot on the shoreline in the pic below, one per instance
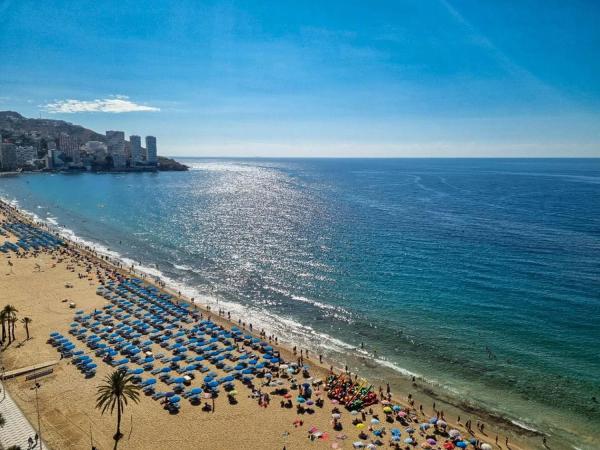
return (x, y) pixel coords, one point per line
(518, 433)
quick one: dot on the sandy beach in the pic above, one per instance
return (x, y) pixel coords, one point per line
(42, 287)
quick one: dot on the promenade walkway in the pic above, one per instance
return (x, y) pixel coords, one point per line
(22, 370)
(17, 428)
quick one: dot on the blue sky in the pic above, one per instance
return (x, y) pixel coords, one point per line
(313, 78)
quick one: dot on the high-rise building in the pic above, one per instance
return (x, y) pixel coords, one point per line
(64, 142)
(69, 145)
(8, 156)
(136, 149)
(115, 142)
(151, 155)
(25, 155)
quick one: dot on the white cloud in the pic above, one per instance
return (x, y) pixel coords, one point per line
(116, 104)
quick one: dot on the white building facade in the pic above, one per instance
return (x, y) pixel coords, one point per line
(115, 142)
(151, 153)
(136, 149)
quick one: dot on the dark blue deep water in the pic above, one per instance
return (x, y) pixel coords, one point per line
(480, 275)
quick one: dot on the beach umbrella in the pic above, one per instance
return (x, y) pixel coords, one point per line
(453, 433)
(433, 420)
(410, 430)
(358, 444)
(441, 423)
(354, 412)
(233, 393)
(175, 399)
(387, 410)
(395, 431)
(196, 391)
(150, 381)
(402, 414)
(91, 366)
(166, 370)
(336, 416)
(485, 446)
(360, 426)
(310, 402)
(461, 444)
(169, 394)
(431, 441)
(425, 445)
(424, 426)
(300, 399)
(449, 445)
(137, 371)
(374, 421)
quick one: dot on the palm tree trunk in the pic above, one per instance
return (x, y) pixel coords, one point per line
(27, 331)
(118, 435)
(3, 330)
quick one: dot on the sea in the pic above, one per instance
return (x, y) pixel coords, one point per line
(479, 277)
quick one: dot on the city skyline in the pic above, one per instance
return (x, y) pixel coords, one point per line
(406, 79)
(44, 145)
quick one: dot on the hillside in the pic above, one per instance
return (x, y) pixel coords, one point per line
(17, 127)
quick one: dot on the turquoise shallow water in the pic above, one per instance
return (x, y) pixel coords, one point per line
(480, 275)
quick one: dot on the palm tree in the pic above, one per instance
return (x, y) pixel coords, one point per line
(116, 390)
(3, 318)
(26, 321)
(10, 313)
